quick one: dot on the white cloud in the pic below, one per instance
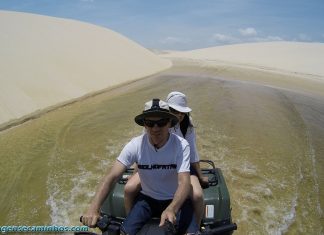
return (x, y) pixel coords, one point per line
(224, 38)
(274, 38)
(174, 40)
(248, 32)
(267, 39)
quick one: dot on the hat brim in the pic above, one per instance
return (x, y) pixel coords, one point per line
(139, 119)
(180, 108)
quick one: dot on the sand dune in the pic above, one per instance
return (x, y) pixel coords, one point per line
(46, 61)
(286, 57)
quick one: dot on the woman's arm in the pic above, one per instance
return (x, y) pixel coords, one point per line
(202, 179)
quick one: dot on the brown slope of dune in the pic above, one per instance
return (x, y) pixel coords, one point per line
(47, 61)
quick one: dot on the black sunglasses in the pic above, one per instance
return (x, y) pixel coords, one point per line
(159, 123)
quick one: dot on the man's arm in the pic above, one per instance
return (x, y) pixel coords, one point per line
(91, 216)
(180, 196)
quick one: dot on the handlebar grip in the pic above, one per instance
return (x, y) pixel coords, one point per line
(102, 223)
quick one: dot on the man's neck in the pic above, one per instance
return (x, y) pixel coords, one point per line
(159, 143)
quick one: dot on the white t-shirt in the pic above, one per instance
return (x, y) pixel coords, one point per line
(191, 138)
(158, 168)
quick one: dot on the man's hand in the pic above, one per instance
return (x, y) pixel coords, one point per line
(92, 215)
(167, 214)
(179, 197)
(90, 218)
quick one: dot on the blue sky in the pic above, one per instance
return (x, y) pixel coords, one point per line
(191, 24)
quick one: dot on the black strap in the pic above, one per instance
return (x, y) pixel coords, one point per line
(156, 104)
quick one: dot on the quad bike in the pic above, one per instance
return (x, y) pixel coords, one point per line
(217, 218)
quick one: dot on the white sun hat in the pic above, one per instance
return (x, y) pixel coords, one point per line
(178, 101)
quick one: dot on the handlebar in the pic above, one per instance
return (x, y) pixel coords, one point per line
(102, 223)
(169, 228)
(220, 230)
(106, 221)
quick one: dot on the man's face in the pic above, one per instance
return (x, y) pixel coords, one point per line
(157, 127)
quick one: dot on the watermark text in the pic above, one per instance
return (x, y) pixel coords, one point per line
(42, 229)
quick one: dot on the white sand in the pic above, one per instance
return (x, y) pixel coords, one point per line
(45, 61)
(287, 57)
